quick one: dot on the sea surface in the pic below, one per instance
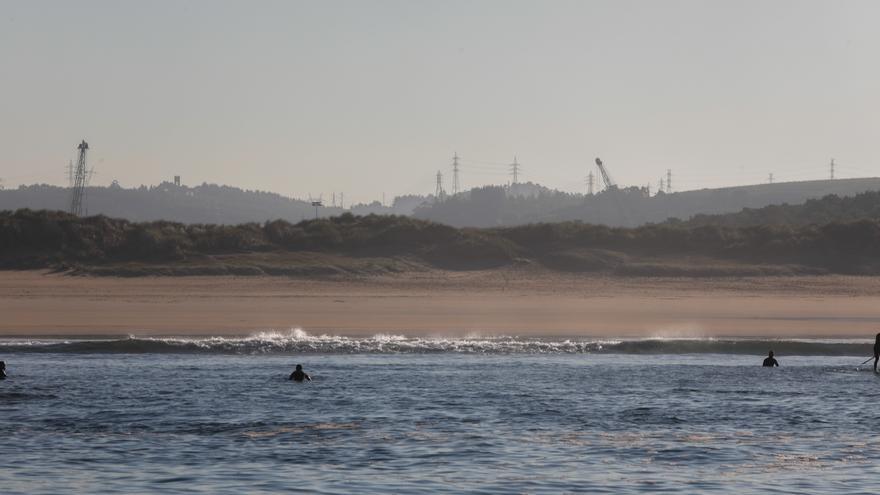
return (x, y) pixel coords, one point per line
(390, 414)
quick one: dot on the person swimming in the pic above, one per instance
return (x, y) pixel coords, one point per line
(3, 370)
(876, 351)
(770, 361)
(299, 375)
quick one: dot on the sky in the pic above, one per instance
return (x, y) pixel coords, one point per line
(370, 97)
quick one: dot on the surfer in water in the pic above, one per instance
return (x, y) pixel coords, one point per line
(3, 369)
(770, 361)
(299, 375)
(876, 351)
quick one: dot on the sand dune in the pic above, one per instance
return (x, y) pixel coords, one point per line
(512, 302)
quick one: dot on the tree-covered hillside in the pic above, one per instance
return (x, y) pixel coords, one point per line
(55, 239)
(829, 209)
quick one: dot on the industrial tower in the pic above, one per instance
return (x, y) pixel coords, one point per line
(606, 178)
(439, 193)
(317, 203)
(514, 171)
(591, 179)
(456, 187)
(80, 181)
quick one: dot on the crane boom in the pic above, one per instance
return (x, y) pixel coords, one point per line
(609, 183)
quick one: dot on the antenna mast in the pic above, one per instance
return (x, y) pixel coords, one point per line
(439, 193)
(456, 187)
(317, 203)
(80, 180)
(832, 169)
(514, 171)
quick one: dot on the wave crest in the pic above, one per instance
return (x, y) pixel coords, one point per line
(297, 341)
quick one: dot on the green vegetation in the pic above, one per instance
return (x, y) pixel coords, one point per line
(376, 244)
(828, 209)
(522, 204)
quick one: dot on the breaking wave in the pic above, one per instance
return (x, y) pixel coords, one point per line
(299, 342)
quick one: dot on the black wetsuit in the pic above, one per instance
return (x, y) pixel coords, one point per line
(299, 375)
(770, 362)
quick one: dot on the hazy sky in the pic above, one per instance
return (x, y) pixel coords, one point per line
(366, 97)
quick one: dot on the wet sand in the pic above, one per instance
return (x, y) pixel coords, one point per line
(509, 302)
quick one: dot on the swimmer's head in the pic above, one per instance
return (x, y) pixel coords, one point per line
(299, 367)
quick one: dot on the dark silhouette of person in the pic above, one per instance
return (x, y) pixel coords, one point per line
(3, 370)
(876, 351)
(299, 375)
(771, 361)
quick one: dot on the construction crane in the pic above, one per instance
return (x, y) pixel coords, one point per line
(609, 183)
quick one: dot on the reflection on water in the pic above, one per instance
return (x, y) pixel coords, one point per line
(436, 423)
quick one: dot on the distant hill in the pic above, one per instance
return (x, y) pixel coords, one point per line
(402, 205)
(831, 208)
(490, 206)
(495, 206)
(207, 203)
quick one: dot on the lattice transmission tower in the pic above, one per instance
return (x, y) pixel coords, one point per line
(80, 181)
(514, 171)
(456, 186)
(439, 192)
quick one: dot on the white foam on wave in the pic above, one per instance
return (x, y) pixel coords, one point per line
(298, 341)
(687, 330)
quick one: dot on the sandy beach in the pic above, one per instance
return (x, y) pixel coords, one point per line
(509, 302)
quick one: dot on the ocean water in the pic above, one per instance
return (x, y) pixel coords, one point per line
(397, 415)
